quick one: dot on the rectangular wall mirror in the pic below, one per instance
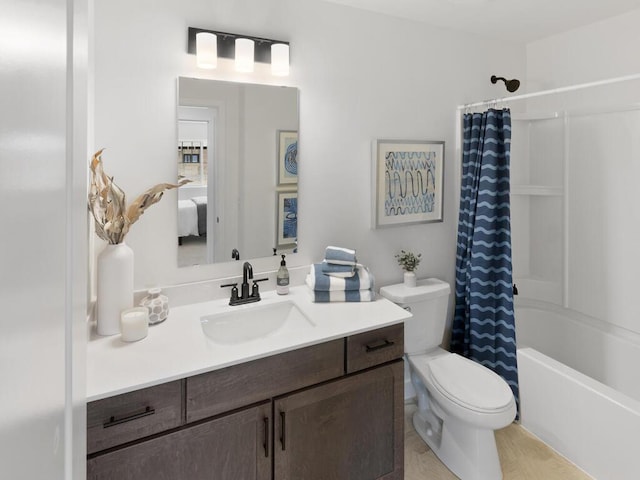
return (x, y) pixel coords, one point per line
(238, 146)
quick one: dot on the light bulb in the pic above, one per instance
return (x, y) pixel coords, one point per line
(244, 55)
(280, 59)
(206, 50)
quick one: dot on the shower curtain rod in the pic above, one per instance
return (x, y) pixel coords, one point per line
(552, 91)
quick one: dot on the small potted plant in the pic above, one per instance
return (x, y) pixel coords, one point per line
(409, 263)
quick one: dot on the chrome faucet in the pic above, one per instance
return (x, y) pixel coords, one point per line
(242, 297)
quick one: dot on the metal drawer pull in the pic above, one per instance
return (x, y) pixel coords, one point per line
(379, 346)
(113, 421)
(266, 436)
(283, 420)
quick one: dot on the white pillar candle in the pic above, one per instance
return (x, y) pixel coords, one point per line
(134, 324)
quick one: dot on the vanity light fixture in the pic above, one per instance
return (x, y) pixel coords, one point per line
(207, 50)
(244, 54)
(244, 49)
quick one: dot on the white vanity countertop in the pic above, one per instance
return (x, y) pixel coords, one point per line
(178, 347)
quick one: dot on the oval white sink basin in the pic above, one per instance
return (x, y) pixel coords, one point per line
(253, 322)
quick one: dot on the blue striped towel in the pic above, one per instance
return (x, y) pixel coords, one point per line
(340, 256)
(318, 281)
(344, 296)
(335, 270)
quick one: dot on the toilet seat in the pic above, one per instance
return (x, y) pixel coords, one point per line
(469, 384)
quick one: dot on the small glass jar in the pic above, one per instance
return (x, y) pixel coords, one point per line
(157, 304)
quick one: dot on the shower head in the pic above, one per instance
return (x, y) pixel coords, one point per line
(512, 85)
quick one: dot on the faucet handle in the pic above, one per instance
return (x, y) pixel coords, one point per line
(255, 292)
(234, 291)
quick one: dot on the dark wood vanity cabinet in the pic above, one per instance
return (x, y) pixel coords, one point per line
(308, 414)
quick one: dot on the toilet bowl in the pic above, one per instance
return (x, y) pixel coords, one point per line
(460, 403)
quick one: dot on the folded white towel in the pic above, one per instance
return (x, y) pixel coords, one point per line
(343, 296)
(340, 256)
(361, 280)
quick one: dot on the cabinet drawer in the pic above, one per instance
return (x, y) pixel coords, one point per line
(234, 387)
(375, 347)
(133, 415)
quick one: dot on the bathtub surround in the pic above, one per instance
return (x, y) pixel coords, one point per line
(602, 173)
(484, 326)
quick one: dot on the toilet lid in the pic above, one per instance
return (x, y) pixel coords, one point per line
(470, 384)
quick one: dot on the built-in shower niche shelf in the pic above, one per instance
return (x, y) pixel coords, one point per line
(540, 190)
(534, 288)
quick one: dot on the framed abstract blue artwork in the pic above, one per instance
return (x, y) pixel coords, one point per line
(287, 219)
(408, 181)
(287, 157)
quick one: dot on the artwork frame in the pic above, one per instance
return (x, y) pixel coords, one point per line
(286, 219)
(287, 157)
(401, 169)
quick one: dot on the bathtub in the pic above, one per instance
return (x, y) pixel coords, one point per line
(580, 388)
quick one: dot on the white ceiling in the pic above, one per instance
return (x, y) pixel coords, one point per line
(514, 20)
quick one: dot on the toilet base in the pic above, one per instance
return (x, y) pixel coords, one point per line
(470, 453)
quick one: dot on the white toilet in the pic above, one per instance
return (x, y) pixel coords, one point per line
(460, 402)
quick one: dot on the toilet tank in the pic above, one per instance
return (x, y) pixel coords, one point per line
(428, 302)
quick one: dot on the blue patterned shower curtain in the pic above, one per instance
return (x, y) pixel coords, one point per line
(484, 326)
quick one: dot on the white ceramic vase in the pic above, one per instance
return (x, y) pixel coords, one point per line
(410, 279)
(115, 286)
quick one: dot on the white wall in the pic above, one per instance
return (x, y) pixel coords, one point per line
(361, 76)
(602, 167)
(43, 250)
(598, 51)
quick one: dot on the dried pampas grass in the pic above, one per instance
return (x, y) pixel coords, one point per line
(108, 206)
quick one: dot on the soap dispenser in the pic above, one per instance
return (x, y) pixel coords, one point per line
(282, 278)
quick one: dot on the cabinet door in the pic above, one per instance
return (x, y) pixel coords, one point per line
(232, 447)
(346, 429)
